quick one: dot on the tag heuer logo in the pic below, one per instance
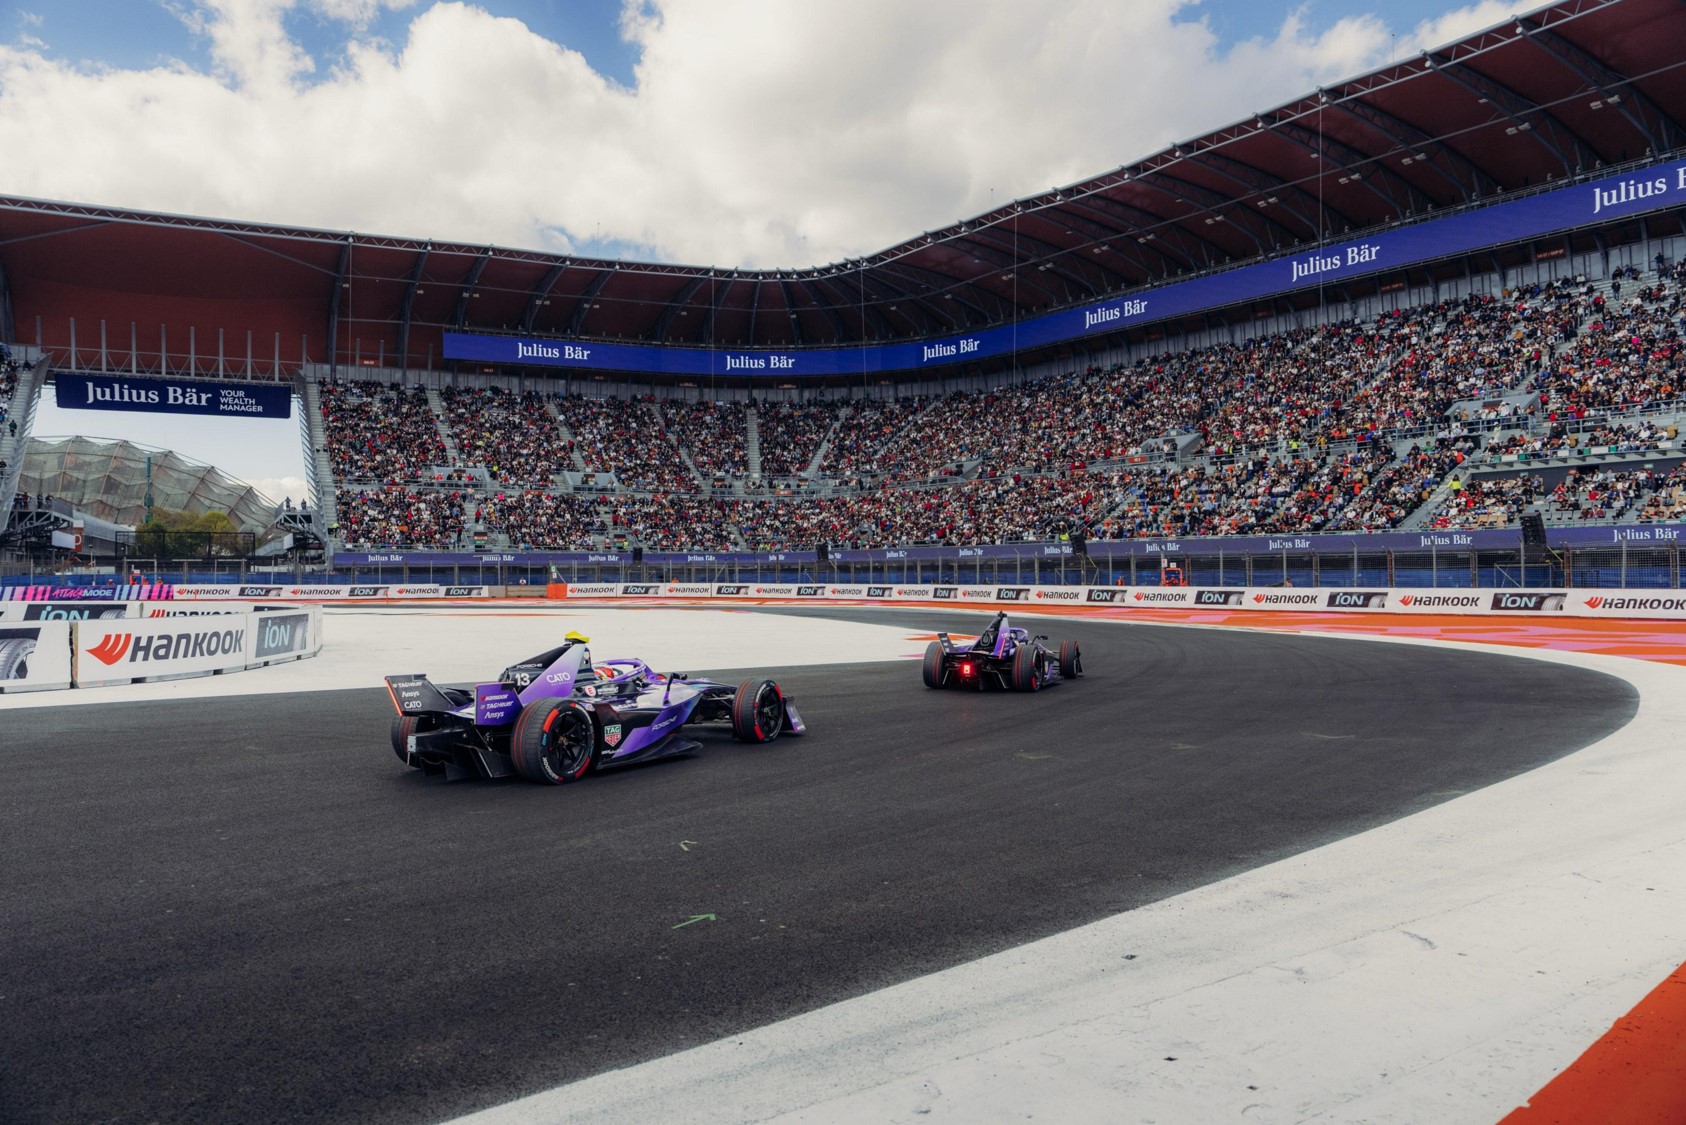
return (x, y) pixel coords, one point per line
(612, 735)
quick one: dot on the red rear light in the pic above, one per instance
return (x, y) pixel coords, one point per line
(965, 669)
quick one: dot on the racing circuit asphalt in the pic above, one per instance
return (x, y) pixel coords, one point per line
(247, 909)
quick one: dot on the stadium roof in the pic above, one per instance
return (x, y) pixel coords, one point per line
(110, 478)
(1534, 102)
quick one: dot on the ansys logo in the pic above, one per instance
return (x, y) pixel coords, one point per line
(112, 648)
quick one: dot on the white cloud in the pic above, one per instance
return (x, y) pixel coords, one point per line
(1456, 24)
(756, 133)
(277, 489)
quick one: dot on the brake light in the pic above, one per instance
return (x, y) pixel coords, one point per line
(965, 670)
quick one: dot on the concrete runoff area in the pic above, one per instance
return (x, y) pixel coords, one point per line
(1238, 850)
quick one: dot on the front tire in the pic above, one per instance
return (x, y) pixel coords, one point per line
(757, 711)
(554, 742)
(403, 726)
(1027, 673)
(1071, 660)
(933, 670)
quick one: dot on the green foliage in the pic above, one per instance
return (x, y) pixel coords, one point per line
(179, 535)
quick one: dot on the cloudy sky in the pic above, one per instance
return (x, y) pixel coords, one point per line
(714, 132)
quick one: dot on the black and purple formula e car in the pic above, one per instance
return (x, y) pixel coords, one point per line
(557, 716)
(1003, 656)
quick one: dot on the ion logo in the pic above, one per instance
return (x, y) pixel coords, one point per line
(809, 591)
(878, 591)
(725, 591)
(462, 591)
(281, 633)
(1359, 599)
(112, 648)
(259, 591)
(944, 592)
(1218, 597)
(365, 591)
(51, 612)
(1105, 595)
(1012, 593)
(640, 590)
(1531, 603)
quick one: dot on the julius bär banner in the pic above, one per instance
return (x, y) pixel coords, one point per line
(172, 396)
(1661, 186)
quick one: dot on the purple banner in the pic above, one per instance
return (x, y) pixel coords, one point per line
(1645, 535)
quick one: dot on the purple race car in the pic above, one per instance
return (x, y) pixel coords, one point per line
(1004, 656)
(556, 716)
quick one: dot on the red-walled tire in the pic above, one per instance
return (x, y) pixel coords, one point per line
(554, 742)
(1026, 675)
(758, 711)
(1071, 660)
(933, 669)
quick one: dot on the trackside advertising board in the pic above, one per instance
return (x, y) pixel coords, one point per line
(1664, 604)
(111, 611)
(328, 593)
(35, 657)
(118, 652)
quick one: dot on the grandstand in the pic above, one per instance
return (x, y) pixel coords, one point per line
(1209, 344)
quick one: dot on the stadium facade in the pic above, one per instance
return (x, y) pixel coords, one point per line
(1548, 148)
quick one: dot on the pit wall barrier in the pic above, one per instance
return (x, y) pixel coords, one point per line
(47, 654)
(1617, 604)
(112, 611)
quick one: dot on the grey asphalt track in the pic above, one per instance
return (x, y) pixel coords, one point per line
(248, 910)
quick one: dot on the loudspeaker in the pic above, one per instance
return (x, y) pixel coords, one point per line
(1079, 544)
(824, 552)
(1533, 530)
(638, 554)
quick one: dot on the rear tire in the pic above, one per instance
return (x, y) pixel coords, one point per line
(1071, 660)
(933, 670)
(403, 726)
(757, 711)
(1026, 675)
(554, 742)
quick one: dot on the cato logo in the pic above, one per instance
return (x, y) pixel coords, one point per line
(112, 648)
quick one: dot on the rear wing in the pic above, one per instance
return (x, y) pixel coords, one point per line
(414, 695)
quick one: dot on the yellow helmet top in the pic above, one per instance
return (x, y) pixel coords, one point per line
(571, 635)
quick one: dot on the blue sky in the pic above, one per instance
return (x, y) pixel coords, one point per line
(145, 33)
(758, 133)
